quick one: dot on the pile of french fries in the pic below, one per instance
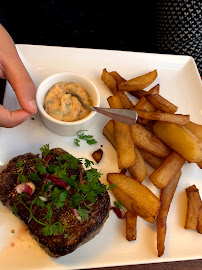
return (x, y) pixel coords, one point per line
(161, 137)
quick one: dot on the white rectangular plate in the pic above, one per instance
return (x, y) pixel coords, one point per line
(179, 82)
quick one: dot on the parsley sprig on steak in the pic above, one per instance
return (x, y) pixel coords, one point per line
(68, 204)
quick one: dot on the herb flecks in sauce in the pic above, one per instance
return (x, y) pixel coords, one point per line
(61, 105)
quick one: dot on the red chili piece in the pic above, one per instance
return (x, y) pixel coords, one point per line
(47, 159)
(57, 181)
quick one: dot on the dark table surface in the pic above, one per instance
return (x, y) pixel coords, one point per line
(182, 265)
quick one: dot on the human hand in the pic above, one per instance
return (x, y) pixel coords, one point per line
(13, 70)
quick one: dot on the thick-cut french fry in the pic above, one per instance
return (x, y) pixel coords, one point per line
(135, 196)
(108, 132)
(180, 139)
(123, 138)
(193, 201)
(117, 77)
(199, 221)
(138, 83)
(122, 197)
(131, 225)
(146, 140)
(110, 127)
(127, 104)
(199, 164)
(165, 200)
(152, 160)
(123, 171)
(140, 93)
(195, 128)
(171, 165)
(109, 81)
(161, 103)
(143, 104)
(138, 171)
(168, 117)
(149, 126)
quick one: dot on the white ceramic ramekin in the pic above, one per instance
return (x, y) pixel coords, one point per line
(61, 127)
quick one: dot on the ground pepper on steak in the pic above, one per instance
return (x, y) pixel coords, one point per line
(76, 231)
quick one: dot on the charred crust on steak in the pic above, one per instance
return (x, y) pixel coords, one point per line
(78, 231)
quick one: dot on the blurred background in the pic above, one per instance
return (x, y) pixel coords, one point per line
(172, 27)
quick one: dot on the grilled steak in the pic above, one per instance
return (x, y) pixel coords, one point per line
(63, 205)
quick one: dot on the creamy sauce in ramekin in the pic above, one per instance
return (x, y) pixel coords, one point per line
(61, 105)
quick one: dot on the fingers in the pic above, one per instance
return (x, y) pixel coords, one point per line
(25, 91)
(21, 83)
(12, 119)
(14, 71)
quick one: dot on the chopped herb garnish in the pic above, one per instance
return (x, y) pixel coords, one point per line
(112, 186)
(88, 163)
(76, 190)
(81, 136)
(83, 213)
(58, 197)
(38, 201)
(19, 164)
(15, 208)
(34, 177)
(41, 168)
(45, 150)
(53, 229)
(118, 204)
(22, 178)
(77, 141)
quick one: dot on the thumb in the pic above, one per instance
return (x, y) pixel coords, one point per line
(15, 72)
(25, 91)
(22, 84)
(12, 119)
